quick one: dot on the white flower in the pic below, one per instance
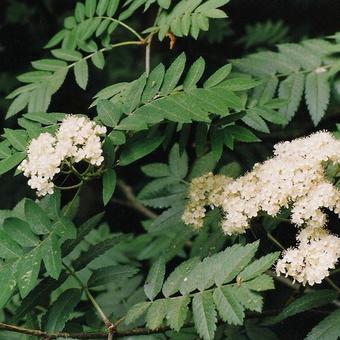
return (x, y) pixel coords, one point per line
(294, 178)
(310, 262)
(203, 191)
(77, 139)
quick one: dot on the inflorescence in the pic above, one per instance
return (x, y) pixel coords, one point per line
(77, 139)
(293, 178)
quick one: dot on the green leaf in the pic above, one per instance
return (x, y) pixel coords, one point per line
(27, 272)
(90, 8)
(203, 165)
(96, 250)
(61, 310)
(255, 332)
(305, 302)
(136, 311)
(111, 274)
(56, 39)
(240, 83)
(64, 227)
(109, 185)
(247, 298)
(232, 169)
(134, 93)
(40, 99)
(102, 6)
(51, 255)
(17, 138)
(177, 310)
(11, 161)
(204, 315)
(164, 3)
(253, 120)
(153, 83)
(302, 56)
(18, 104)
(81, 73)
(108, 112)
(317, 93)
(236, 261)
(178, 163)
(240, 133)
(194, 74)
(270, 115)
(79, 12)
(37, 218)
(65, 54)
(173, 74)
(57, 80)
(48, 64)
(328, 328)
(228, 307)
(259, 266)
(218, 76)
(82, 231)
(156, 170)
(154, 280)
(137, 148)
(45, 119)
(20, 231)
(98, 60)
(112, 7)
(5, 151)
(33, 76)
(9, 249)
(156, 314)
(177, 277)
(260, 283)
(291, 89)
(7, 283)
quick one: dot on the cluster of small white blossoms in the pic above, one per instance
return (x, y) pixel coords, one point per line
(317, 252)
(78, 138)
(206, 190)
(293, 178)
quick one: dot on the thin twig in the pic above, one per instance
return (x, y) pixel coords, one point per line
(134, 203)
(332, 284)
(147, 56)
(91, 298)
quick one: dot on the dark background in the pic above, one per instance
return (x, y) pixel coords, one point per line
(26, 26)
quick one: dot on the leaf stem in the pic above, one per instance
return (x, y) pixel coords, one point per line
(105, 49)
(332, 284)
(147, 56)
(70, 187)
(129, 28)
(275, 241)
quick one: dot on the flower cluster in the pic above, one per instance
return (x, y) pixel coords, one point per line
(317, 252)
(293, 178)
(77, 139)
(204, 191)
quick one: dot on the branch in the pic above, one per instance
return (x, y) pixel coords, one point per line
(82, 335)
(133, 202)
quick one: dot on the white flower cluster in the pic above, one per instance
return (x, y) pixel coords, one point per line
(317, 252)
(78, 138)
(293, 178)
(204, 191)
